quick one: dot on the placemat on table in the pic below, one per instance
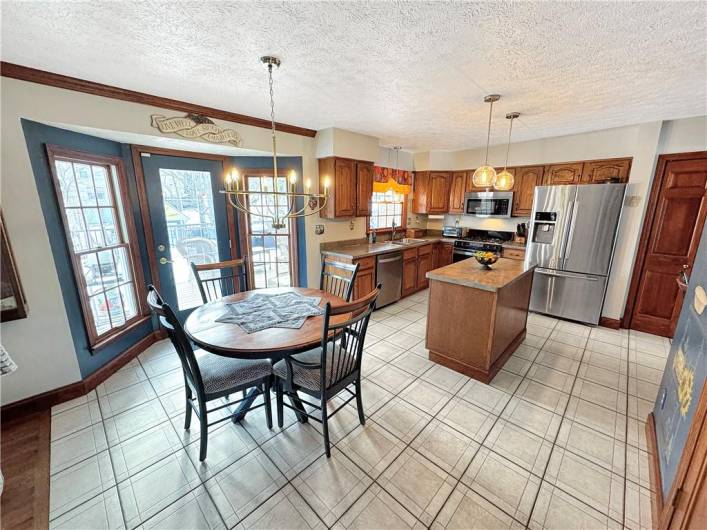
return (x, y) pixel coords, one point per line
(263, 311)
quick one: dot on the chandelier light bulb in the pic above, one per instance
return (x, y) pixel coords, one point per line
(293, 177)
(504, 181)
(484, 177)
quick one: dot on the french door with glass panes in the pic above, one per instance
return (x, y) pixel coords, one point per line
(189, 222)
(271, 252)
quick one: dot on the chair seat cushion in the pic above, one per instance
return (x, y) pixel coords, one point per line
(309, 378)
(223, 373)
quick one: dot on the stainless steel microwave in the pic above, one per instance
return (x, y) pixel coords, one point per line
(488, 203)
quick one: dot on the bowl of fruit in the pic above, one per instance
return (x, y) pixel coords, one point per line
(486, 258)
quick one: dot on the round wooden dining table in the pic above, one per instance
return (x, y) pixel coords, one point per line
(230, 340)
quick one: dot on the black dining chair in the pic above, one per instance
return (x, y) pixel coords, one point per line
(338, 278)
(221, 278)
(330, 368)
(207, 376)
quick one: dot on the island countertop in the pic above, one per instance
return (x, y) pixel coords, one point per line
(470, 273)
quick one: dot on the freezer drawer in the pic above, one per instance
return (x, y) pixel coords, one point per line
(568, 295)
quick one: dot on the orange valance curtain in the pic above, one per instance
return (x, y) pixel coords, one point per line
(386, 179)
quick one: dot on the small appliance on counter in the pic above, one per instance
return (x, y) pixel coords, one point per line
(454, 231)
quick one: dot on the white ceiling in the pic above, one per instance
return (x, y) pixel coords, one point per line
(410, 73)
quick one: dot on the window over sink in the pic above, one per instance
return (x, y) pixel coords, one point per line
(386, 208)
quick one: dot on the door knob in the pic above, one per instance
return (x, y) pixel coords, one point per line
(164, 261)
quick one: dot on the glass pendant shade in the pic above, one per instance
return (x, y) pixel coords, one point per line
(504, 181)
(484, 177)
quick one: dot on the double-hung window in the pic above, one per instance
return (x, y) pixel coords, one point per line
(92, 196)
(387, 208)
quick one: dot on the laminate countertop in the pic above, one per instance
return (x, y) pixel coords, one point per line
(362, 250)
(470, 273)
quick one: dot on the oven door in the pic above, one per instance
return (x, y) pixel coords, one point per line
(459, 254)
(488, 204)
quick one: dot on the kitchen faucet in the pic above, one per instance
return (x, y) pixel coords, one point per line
(392, 235)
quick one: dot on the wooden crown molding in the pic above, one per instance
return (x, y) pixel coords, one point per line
(25, 73)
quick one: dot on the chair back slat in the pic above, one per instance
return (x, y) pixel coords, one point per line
(223, 278)
(338, 278)
(180, 341)
(345, 339)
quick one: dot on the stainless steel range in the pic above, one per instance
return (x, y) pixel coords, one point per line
(465, 248)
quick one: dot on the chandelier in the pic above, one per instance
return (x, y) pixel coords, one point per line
(485, 176)
(278, 204)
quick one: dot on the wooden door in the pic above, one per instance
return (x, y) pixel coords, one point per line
(424, 265)
(671, 232)
(439, 192)
(602, 171)
(364, 188)
(345, 188)
(365, 283)
(421, 182)
(563, 173)
(526, 178)
(446, 255)
(456, 192)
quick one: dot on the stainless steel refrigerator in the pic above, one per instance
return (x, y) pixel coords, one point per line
(571, 241)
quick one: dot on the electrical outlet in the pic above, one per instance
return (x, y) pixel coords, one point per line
(319, 229)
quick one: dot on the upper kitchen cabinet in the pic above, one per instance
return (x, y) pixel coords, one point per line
(364, 188)
(602, 171)
(457, 189)
(570, 173)
(526, 178)
(420, 185)
(438, 201)
(350, 187)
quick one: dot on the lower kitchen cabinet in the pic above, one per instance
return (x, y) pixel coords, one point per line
(366, 277)
(513, 253)
(424, 265)
(444, 256)
(409, 272)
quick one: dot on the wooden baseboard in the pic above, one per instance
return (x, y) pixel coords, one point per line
(654, 471)
(47, 400)
(613, 323)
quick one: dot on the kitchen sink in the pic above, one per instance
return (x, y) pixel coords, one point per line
(407, 241)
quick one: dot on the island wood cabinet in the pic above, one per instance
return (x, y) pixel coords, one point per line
(526, 178)
(351, 187)
(457, 188)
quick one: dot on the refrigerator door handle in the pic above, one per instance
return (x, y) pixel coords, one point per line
(565, 233)
(573, 219)
(559, 274)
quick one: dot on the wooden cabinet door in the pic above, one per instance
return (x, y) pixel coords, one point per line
(526, 178)
(365, 283)
(456, 192)
(364, 188)
(446, 255)
(601, 171)
(409, 276)
(438, 192)
(675, 230)
(420, 186)
(563, 173)
(344, 188)
(424, 265)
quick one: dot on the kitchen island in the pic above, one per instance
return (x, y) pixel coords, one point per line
(477, 317)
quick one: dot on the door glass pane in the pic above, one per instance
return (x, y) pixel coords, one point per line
(269, 248)
(189, 211)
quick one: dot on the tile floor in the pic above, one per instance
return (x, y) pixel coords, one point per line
(556, 441)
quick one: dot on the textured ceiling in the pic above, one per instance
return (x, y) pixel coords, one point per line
(410, 73)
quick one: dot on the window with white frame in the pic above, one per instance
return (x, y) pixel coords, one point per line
(386, 208)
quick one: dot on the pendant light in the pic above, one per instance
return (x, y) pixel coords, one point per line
(505, 180)
(485, 176)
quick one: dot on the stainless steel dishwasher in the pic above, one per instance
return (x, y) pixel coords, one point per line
(389, 273)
